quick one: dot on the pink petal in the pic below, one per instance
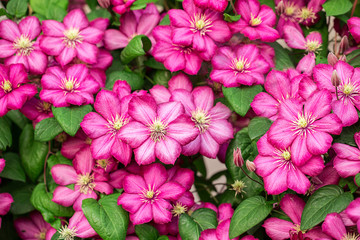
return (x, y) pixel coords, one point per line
(107, 104)
(221, 131)
(330, 124)
(297, 181)
(322, 76)
(83, 162)
(265, 105)
(220, 111)
(78, 202)
(346, 168)
(114, 39)
(278, 85)
(5, 203)
(161, 213)
(318, 143)
(92, 35)
(130, 202)
(9, 30)
(134, 133)
(143, 215)
(203, 98)
(346, 111)
(209, 147)
(180, 81)
(313, 166)
(334, 226)
(192, 147)
(30, 26)
(160, 93)
(145, 153)
(94, 125)
(276, 182)
(293, 206)
(277, 228)
(53, 28)
(346, 151)
(294, 38)
(64, 174)
(170, 111)
(52, 45)
(299, 151)
(290, 109)
(134, 184)
(122, 152)
(265, 165)
(182, 130)
(143, 109)
(155, 175)
(167, 150)
(171, 191)
(37, 62)
(76, 19)
(280, 134)
(318, 105)
(66, 56)
(6, 48)
(65, 196)
(87, 52)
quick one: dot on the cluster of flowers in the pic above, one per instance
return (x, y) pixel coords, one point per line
(63, 65)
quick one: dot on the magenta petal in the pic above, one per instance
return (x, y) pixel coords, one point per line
(64, 174)
(208, 234)
(107, 104)
(134, 133)
(78, 202)
(130, 202)
(346, 168)
(347, 152)
(277, 228)
(103, 187)
(145, 153)
(203, 98)
(5, 203)
(293, 206)
(66, 56)
(280, 134)
(30, 26)
(83, 162)
(265, 105)
(171, 191)
(160, 93)
(114, 39)
(318, 142)
(134, 184)
(334, 226)
(297, 181)
(209, 147)
(180, 81)
(143, 215)
(353, 210)
(168, 112)
(192, 147)
(330, 124)
(161, 213)
(94, 125)
(318, 105)
(122, 152)
(76, 19)
(9, 30)
(265, 165)
(65, 196)
(155, 175)
(346, 111)
(87, 52)
(53, 28)
(167, 150)
(313, 166)
(6, 48)
(182, 130)
(143, 109)
(276, 182)
(221, 131)
(299, 151)
(37, 62)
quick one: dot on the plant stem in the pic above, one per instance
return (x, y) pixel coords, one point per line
(353, 8)
(46, 158)
(232, 6)
(251, 177)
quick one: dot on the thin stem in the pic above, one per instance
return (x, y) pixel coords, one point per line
(251, 177)
(353, 8)
(46, 158)
(336, 91)
(232, 6)
(150, 80)
(166, 6)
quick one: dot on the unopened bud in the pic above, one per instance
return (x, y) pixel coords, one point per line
(104, 3)
(280, 7)
(250, 166)
(332, 59)
(344, 44)
(342, 58)
(238, 159)
(335, 79)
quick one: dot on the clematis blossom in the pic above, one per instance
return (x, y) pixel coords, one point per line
(309, 15)
(121, 6)
(216, 5)
(288, 11)
(33, 227)
(36, 110)
(334, 226)
(72, 38)
(294, 38)
(256, 22)
(353, 212)
(146, 197)
(305, 128)
(78, 227)
(354, 28)
(14, 91)
(19, 44)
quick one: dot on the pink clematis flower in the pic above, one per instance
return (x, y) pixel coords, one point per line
(288, 11)
(279, 87)
(214, 128)
(78, 227)
(354, 28)
(216, 5)
(73, 87)
(347, 162)
(36, 110)
(280, 229)
(175, 57)
(294, 38)
(121, 6)
(328, 176)
(334, 227)
(73, 38)
(146, 197)
(184, 177)
(157, 130)
(19, 45)
(14, 91)
(256, 21)
(197, 27)
(33, 227)
(139, 22)
(111, 117)
(353, 212)
(279, 171)
(305, 128)
(347, 101)
(309, 15)
(242, 66)
(81, 174)
(73, 145)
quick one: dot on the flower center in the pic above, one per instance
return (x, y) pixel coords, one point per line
(241, 65)
(103, 163)
(158, 130)
(302, 123)
(72, 37)
(116, 123)
(348, 89)
(202, 119)
(351, 236)
(86, 183)
(23, 45)
(46, 107)
(306, 13)
(149, 195)
(182, 49)
(178, 209)
(199, 22)
(67, 233)
(42, 235)
(238, 186)
(6, 86)
(70, 84)
(88, 140)
(286, 155)
(312, 46)
(290, 10)
(255, 20)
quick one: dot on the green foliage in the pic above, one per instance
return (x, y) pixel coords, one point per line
(13, 169)
(5, 134)
(230, 18)
(138, 46)
(337, 7)
(258, 126)
(50, 9)
(146, 232)
(47, 129)
(17, 8)
(282, 59)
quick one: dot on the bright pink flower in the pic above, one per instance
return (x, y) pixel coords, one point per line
(147, 197)
(36, 110)
(242, 66)
(328, 176)
(347, 101)
(5, 204)
(353, 212)
(305, 129)
(78, 227)
(73, 87)
(288, 11)
(157, 130)
(32, 228)
(19, 45)
(268, 53)
(347, 162)
(212, 121)
(279, 87)
(121, 6)
(175, 57)
(81, 174)
(73, 145)
(197, 27)
(131, 26)
(354, 28)
(280, 229)
(111, 117)
(309, 15)
(13, 90)
(294, 38)
(307, 64)
(73, 38)
(334, 227)
(256, 21)
(279, 171)
(216, 5)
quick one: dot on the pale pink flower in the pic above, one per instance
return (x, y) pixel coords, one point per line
(216, 5)
(33, 227)
(121, 6)
(294, 38)
(73, 38)
(36, 110)
(354, 28)
(14, 91)
(73, 87)
(18, 44)
(146, 197)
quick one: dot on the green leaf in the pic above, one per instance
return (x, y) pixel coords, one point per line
(51, 211)
(152, 63)
(21, 193)
(165, 20)
(58, 159)
(138, 46)
(18, 118)
(241, 98)
(205, 218)
(5, 134)
(70, 118)
(282, 59)
(134, 80)
(98, 13)
(347, 135)
(357, 179)
(17, 8)
(4, 13)
(146, 232)
(269, 3)
(258, 126)
(140, 4)
(92, 4)
(337, 7)
(47, 129)
(32, 153)
(42, 6)
(55, 12)
(248, 214)
(13, 169)
(163, 238)
(230, 18)
(188, 229)
(162, 77)
(108, 219)
(325, 200)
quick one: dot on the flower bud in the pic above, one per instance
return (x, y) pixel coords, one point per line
(342, 58)
(104, 3)
(250, 166)
(238, 159)
(335, 79)
(280, 7)
(344, 44)
(332, 59)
